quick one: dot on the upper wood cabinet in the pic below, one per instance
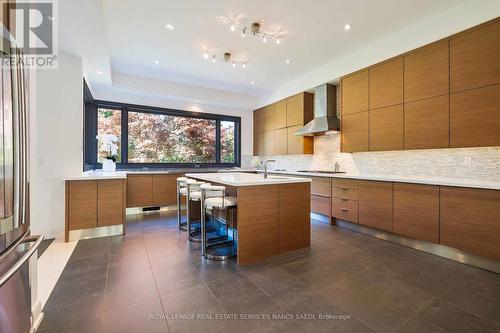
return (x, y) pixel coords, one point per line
(280, 114)
(386, 128)
(416, 211)
(299, 109)
(258, 121)
(269, 143)
(299, 144)
(139, 190)
(475, 117)
(355, 132)
(355, 93)
(375, 204)
(269, 117)
(258, 144)
(386, 84)
(427, 123)
(281, 141)
(474, 57)
(426, 72)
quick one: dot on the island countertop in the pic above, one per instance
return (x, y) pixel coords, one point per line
(237, 179)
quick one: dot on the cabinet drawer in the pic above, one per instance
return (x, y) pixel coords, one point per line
(110, 202)
(321, 186)
(345, 189)
(320, 205)
(345, 209)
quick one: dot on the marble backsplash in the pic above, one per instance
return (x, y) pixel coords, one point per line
(469, 163)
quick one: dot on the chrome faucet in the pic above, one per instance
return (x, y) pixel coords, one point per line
(265, 166)
(337, 167)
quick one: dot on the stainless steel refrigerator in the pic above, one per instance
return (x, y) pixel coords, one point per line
(16, 244)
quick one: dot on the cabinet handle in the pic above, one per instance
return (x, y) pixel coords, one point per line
(343, 199)
(345, 210)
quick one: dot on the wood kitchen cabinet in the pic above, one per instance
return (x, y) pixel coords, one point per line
(299, 109)
(416, 211)
(269, 118)
(427, 123)
(474, 57)
(269, 143)
(386, 128)
(470, 220)
(475, 117)
(320, 195)
(280, 114)
(94, 203)
(298, 145)
(386, 84)
(281, 141)
(164, 189)
(355, 129)
(427, 72)
(376, 204)
(345, 199)
(355, 93)
(258, 121)
(139, 191)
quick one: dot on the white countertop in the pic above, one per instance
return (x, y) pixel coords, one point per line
(442, 181)
(237, 179)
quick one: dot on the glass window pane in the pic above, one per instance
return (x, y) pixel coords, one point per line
(227, 134)
(157, 138)
(109, 134)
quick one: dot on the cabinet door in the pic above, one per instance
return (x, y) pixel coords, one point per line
(355, 93)
(386, 128)
(375, 204)
(82, 204)
(258, 121)
(295, 110)
(280, 114)
(297, 144)
(475, 117)
(474, 58)
(416, 211)
(355, 132)
(281, 141)
(110, 202)
(258, 144)
(165, 189)
(320, 205)
(470, 219)
(386, 84)
(321, 186)
(427, 123)
(427, 72)
(139, 191)
(269, 143)
(269, 116)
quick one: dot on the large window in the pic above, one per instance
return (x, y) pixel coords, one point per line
(160, 138)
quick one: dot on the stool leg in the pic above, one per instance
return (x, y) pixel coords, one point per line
(203, 228)
(178, 207)
(188, 218)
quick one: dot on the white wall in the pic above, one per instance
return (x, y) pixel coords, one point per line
(56, 137)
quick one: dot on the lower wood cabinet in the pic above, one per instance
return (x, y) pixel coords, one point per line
(139, 191)
(94, 203)
(164, 189)
(345, 209)
(375, 204)
(320, 204)
(416, 211)
(470, 220)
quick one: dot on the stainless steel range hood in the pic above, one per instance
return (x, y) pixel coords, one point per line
(325, 112)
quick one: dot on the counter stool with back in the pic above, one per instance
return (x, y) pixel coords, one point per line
(181, 193)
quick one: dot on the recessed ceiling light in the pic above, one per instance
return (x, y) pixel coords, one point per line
(347, 26)
(98, 72)
(232, 27)
(170, 27)
(196, 101)
(287, 61)
(252, 82)
(157, 62)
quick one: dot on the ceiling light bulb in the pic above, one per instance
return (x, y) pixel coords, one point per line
(252, 82)
(264, 39)
(244, 65)
(98, 72)
(347, 26)
(278, 41)
(205, 55)
(170, 27)
(234, 64)
(233, 27)
(157, 62)
(287, 61)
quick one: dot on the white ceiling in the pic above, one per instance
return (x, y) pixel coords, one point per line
(132, 35)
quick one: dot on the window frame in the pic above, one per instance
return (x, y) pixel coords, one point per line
(90, 133)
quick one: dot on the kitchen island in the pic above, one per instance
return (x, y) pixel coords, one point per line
(273, 213)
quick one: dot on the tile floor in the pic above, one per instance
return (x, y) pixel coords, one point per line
(153, 280)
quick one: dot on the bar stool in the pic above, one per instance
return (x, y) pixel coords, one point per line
(193, 193)
(181, 192)
(214, 198)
